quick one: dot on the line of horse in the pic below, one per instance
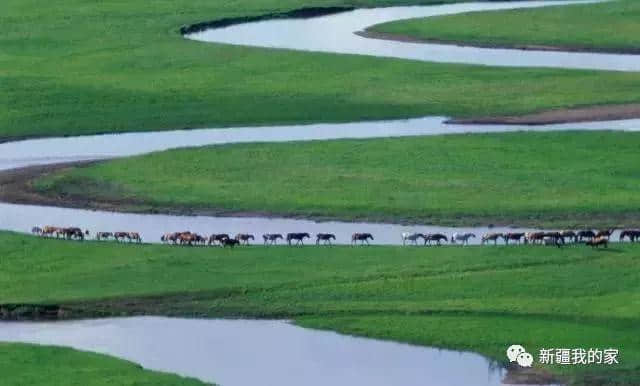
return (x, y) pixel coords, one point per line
(555, 238)
(186, 238)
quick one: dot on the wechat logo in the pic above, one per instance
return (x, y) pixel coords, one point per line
(517, 353)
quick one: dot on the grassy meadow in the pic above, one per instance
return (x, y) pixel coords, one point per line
(24, 364)
(611, 26)
(469, 298)
(558, 179)
(83, 67)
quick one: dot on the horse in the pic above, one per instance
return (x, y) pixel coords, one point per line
(103, 235)
(632, 234)
(598, 241)
(74, 233)
(219, 237)
(586, 234)
(413, 237)
(188, 238)
(604, 233)
(271, 238)
(298, 237)
(36, 231)
(512, 236)
(571, 235)
(533, 237)
(244, 238)
(50, 230)
(229, 242)
(362, 237)
(135, 236)
(554, 237)
(437, 237)
(121, 236)
(491, 237)
(464, 237)
(325, 237)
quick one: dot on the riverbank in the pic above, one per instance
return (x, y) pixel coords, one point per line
(606, 27)
(471, 299)
(519, 179)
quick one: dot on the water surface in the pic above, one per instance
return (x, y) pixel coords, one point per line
(260, 352)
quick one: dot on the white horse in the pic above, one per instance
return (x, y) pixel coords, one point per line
(413, 237)
(464, 237)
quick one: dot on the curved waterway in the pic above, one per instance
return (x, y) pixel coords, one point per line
(336, 33)
(260, 352)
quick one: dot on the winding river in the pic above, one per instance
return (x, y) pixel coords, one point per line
(219, 350)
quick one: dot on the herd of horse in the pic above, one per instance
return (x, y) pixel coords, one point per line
(556, 238)
(187, 238)
(225, 240)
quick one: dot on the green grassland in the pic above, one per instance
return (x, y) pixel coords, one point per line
(83, 67)
(611, 26)
(22, 364)
(562, 179)
(480, 299)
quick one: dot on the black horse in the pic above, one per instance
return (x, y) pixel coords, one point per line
(437, 237)
(362, 237)
(298, 237)
(586, 234)
(512, 236)
(244, 238)
(325, 237)
(632, 234)
(219, 237)
(271, 238)
(229, 242)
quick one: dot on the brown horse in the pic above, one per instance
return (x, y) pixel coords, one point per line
(598, 241)
(50, 230)
(604, 233)
(362, 237)
(491, 237)
(244, 238)
(533, 237)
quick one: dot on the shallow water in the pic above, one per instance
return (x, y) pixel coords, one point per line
(276, 352)
(336, 34)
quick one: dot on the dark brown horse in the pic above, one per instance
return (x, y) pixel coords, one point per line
(218, 237)
(74, 233)
(325, 238)
(298, 237)
(271, 238)
(511, 236)
(362, 237)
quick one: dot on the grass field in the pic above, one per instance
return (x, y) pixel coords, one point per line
(611, 26)
(83, 67)
(472, 298)
(562, 179)
(22, 364)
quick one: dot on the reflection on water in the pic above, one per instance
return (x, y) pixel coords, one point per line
(335, 33)
(260, 352)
